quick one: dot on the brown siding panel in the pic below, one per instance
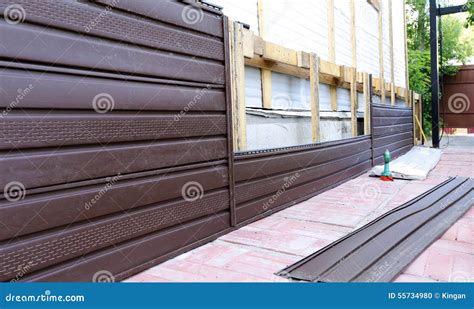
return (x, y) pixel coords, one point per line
(104, 188)
(273, 179)
(392, 129)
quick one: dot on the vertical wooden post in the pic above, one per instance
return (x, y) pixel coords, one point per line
(332, 50)
(354, 101)
(420, 118)
(367, 93)
(267, 96)
(314, 64)
(353, 34)
(407, 80)
(381, 64)
(238, 86)
(392, 62)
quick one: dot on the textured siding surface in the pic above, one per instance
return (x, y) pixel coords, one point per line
(392, 129)
(270, 180)
(116, 120)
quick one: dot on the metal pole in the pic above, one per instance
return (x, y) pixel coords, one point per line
(434, 73)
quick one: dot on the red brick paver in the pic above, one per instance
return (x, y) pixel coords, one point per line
(255, 252)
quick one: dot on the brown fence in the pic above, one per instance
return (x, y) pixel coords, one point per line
(117, 154)
(458, 99)
(392, 129)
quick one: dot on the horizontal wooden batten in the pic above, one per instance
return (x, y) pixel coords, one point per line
(269, 56)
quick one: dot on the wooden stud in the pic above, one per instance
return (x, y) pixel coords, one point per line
(353, 34)
(420, 117)
(353, 76)
(414, 116)
(381, 64)
(407, 80)
(248, 39)
(238, 86)
(367, 104)
(392, 60)
(332, 50)
(267, 89)
(314, 89)
(266, 75)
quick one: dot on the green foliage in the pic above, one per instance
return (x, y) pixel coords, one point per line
(457, 48)
(470, 10)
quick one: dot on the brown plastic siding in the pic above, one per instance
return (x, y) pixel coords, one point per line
(392, 129)
(64, 153)
(384, 247)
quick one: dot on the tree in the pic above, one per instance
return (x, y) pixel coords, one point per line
(456, 49)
